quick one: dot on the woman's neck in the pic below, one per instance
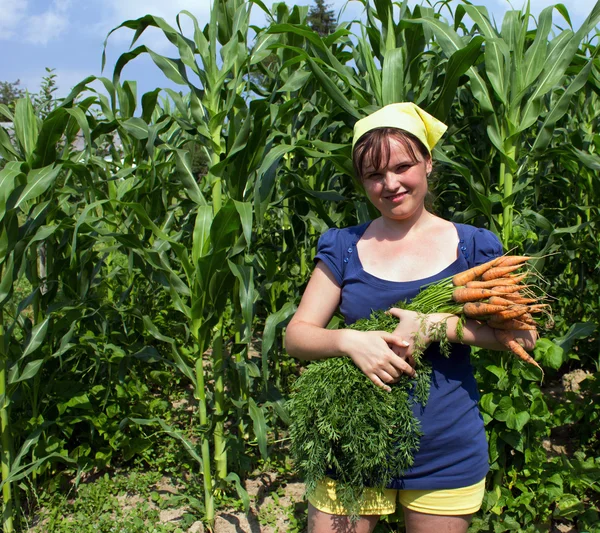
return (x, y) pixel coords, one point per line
(398, 229)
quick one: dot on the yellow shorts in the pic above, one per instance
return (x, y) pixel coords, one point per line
(445, 502)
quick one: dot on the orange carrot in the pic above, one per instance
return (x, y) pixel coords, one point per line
(512, 312)
(513, 296)
(472, 274)
(463, 295)
(521, 300)
(498, 300)
(510, 260)
(508, 289)
(494, 282)
(528, 319)
(498, 272)
(513, 324)
(481, 309)
(539, 308)
(507, 338)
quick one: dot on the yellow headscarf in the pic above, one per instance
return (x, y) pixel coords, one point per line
(405, 116)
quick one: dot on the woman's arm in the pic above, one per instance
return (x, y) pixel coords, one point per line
(474, 333)
(308, 338)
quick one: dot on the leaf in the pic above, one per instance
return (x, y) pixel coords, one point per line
(296, 81)
(517, 420)
(8, 176)
(260, 427)
(52, 130)
(535, 55)
(497, 61)
(488, 403)
(26, 126)
(548, 354)
(459, 62)
(38, 334)
(38, 182)
(332, 89)
(244, 209)
(23, 471)
(393, 76)
(201, 237)
(6, 282)
(265, 180)
(136, 127)
(271, 324)
(151, 328)
(579, 330)
(79, 116)
(188, 446)
(560, 108)
(149, 101)
(30, 370)
(451, 42)
(245, 276)
(185, 174)
(241, 491)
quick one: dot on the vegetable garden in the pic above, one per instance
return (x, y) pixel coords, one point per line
(164, 267)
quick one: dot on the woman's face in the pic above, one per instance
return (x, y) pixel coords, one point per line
(398, 188)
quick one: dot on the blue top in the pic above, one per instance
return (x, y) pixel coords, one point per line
(453, 451)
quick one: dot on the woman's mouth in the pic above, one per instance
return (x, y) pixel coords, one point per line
(396, 198)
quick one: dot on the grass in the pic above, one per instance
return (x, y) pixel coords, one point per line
(123, 502)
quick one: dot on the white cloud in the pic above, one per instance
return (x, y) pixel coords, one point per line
(17, 17)
(45, 27)
(13, 12)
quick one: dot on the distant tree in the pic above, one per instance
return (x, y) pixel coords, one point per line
(45, 101)
(10, 92)
(321, 18)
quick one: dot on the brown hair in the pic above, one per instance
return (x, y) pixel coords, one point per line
(374, 147)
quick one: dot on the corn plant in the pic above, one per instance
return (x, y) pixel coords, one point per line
(514, 88)
(120, 255)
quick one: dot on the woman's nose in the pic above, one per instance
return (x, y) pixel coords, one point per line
(392, 180)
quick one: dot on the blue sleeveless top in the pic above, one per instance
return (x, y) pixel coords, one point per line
(453, 450)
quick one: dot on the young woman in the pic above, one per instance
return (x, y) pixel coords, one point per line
(372, 266)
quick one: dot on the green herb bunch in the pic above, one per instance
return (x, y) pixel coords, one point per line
(342, 424)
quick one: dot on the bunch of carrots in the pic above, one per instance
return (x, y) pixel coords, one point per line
(493, 293)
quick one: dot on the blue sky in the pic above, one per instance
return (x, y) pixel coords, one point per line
(68, 35)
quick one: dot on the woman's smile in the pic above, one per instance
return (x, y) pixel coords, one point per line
(397, 197)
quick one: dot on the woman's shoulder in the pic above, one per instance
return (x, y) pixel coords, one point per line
(478, 245)
(344, 234)
(335, 245)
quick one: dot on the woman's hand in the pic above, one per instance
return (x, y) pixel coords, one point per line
(409, 324)
(414, 325)
(372, 352)
(526, 338)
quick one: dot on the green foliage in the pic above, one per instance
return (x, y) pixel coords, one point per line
(10, 92)
(321, 19)
(342, 422)
(173, 258)
(128, 503)
(45, 101)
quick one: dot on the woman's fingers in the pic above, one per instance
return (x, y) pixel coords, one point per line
(377, 381)
(402, 365)
(390, 338)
